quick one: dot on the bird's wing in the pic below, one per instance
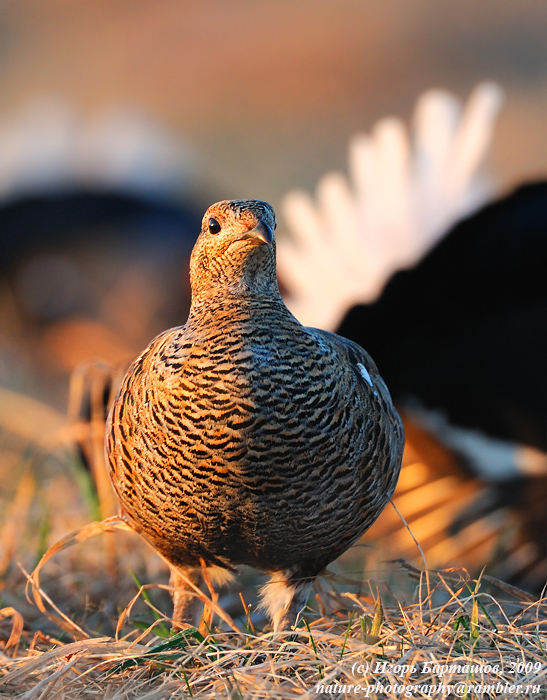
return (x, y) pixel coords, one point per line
(141, 387)
(355, 357)
(370, 383)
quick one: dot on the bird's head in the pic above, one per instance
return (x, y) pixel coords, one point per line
(235, 250)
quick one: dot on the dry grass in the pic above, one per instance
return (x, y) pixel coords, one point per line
(93, 632)
(454, 621)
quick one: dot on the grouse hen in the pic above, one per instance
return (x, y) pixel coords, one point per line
(243, 437)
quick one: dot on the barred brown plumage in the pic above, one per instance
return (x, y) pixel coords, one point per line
(243, 437)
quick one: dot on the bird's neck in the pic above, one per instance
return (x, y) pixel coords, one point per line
(233, 308)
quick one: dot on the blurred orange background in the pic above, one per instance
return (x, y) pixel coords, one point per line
(267, 93)
(256, 98)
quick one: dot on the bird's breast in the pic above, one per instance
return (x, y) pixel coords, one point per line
(244, 395)
(217, 436)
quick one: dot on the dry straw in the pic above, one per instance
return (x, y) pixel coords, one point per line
(457, 633)
(455, 629)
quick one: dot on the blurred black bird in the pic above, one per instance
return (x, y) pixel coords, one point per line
(470, 322)
(461, 339)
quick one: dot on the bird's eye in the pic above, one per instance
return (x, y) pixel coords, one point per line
(214, 226)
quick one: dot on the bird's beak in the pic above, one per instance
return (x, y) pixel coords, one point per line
(260, 234)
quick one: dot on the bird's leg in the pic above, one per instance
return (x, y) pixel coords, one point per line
(284, 597)
(184, 595)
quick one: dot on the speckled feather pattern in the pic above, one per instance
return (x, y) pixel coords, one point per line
(243, 437)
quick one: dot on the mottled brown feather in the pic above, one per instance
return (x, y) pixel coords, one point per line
(243, 437)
